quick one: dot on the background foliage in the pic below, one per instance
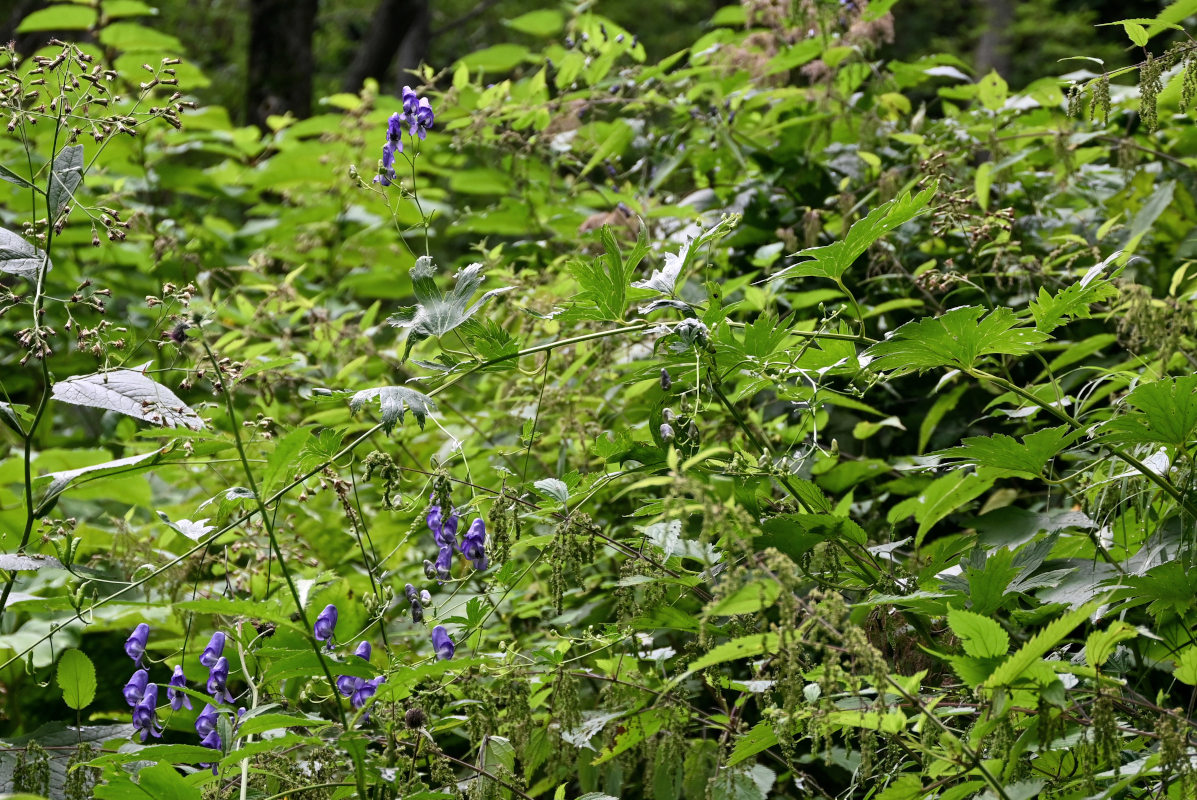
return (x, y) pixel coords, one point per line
(829, 412)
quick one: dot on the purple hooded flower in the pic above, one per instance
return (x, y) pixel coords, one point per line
(435, 519)
(411, 100)
(145, 713)
(422, 119)
(365, 690)
(214, 649)
(409, 591)
(473, 545)
(325, 623)
(449, 532)
(218, 679)
(135, 689)
(442, 643)
(347, 684)
(425, 597)
(178, 699)
(363, 650)
(444, 563)
(205, 723)
(135, 644)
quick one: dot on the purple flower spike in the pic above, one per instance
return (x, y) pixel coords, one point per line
(442, 643)
(135, 644)
(214, 649)
(145, 713)
(178, 699)
(135, 689)
(218, 680)
(325, 623)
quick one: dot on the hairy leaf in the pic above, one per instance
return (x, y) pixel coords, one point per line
(393, 401)
(437, 313)
(18, 257)
(130, 392)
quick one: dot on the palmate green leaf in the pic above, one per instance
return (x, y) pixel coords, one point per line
(393, 401)
(1165, 413)
(980, 636)
(1073, 302)
(959, 339)
(604, 281)
(436, 312)
(1006, 456)
(833, 260)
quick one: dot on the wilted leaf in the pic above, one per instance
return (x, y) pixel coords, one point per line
(131, 392)
(393, 401)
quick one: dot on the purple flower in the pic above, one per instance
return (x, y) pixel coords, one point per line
(442, 643)
(212, 739)
(422, 118)
(417, 611)
(135, 644)
(205, 723)
(214, 649)
(429, 569)
(365, 690)
(425, 597)
(411, 100)
(449, 532)
(363, 650)
(347, 684)
(409, 591)
(145, 713)
(218, 679)
(325, 623)
(435, 519)
(473, 545)
(444, 563)
(395, 130)
(135, 689)
(178, 699)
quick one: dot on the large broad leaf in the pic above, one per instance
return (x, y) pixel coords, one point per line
(958, 339)
(1009, 457)
(980, 636)
(18, 257)
(1016, 665)
(436, 312)
(77, 679)
(65, 176)
(833, 260)
(1165, 413)
(393, 401)
(131, 392)
(59, 481)
(664, 280)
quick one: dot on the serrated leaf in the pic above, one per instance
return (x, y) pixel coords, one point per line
(393, 401)
(1006, 456)
(66, 173)
(1100, 644)
(1186, 666)
(77, 678)
(554, 488)
(1073, 302)
(436, 312)
(1038, 646)
(18, 257)
(833, 260)
(980, 636)
(665, 280)
(957, 339)
(130, 392)
(1165, 413)
(604, 281)
(760, 738)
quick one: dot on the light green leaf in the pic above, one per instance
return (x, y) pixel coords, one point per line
(1005, 456)
(62, 17)
(1074, 301)
(958, 339)
(544, 22)
(982, 182)
(1017, 665)
(1186, 666)
(748, 599)
(980, 636)
(942, 497)
(1100, 644)
(833, 260)
(77, 679)
(760, 738)
(743, 647)
(1165, 413)
(604, 281)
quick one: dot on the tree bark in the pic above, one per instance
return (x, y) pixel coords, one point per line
(280, 59)
(993, 50)
(397, 27)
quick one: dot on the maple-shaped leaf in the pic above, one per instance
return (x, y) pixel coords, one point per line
(664, 280)
(604, 280)
(1073, 302)
(436, 312)
(958, 339)
(833, 260)
(1165, 412)
(393, 401)
(1008, 456)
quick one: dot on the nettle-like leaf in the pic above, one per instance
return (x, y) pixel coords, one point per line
(1165, 413)
(605, 280)
(18, 257)
(436, 312)
(665, 280)
(1018, 664)
(980, 636)
(131, 392)
(1006, 456)
(1073, 302)
(958, 339)
(65, 176)
(393, 401)
(833, 260)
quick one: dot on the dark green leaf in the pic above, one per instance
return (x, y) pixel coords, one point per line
(65, 176)
(1007, 456)
(958, 339)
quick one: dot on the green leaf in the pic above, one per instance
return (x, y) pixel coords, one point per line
(943, 404)
(760, 738)
(743, 783)
(1100, 644)
(992, 91)
(833, 260)
(131, 392)
(283, 461)
(159, 782)
(437, 313)
(958, 339)
(545, 22)
(1017, 665)
(65, 176)
(604, 280)
(1006, 456)
(62, 17)
(77, 679)
(942, 497)
(1073, 302)
(743, 647)
(1165, 413)
(982, 183)
(1136, 33)
(18, 257)
(664, 280)
(748, 599)
(393, 401)
(1186, 666)
(980, 636)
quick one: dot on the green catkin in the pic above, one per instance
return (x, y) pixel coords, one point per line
(1150, 86)
(1099, 99)
(32, 771)
(1188, 86)
(80, 778)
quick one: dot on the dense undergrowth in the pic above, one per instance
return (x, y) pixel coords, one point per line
(770, 421)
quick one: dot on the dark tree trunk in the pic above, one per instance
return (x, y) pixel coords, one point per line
(280, 59)
(17, 11)
(993, 50)
(397, 27)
